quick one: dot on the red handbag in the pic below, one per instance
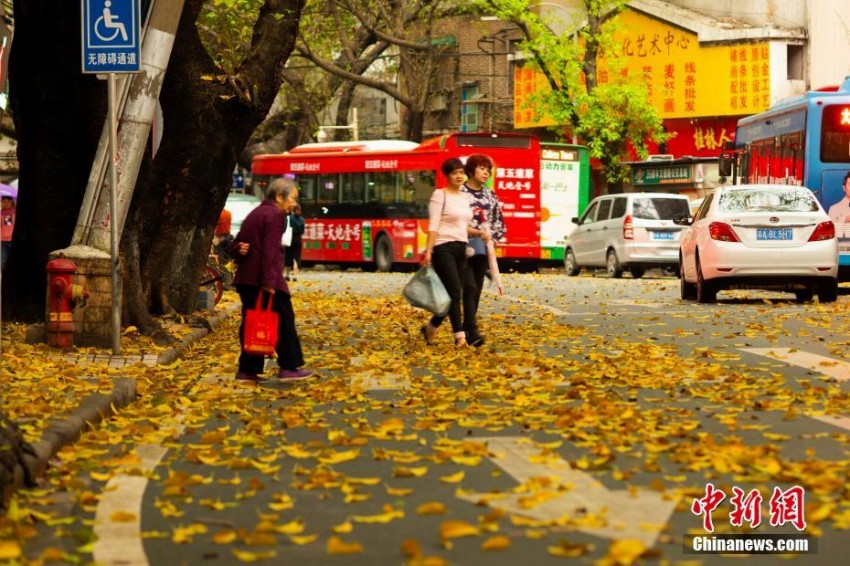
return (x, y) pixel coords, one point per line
(260, 336)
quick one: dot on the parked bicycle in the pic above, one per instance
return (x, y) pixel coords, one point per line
(217, 274)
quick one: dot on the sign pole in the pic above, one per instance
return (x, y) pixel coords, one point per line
(113, 214)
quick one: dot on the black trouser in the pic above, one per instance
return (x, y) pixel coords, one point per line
(473, 283)
(449, 261)
(288, 348)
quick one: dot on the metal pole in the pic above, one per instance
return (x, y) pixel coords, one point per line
(113, 214)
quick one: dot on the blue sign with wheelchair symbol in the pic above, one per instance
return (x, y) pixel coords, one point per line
(111, 36)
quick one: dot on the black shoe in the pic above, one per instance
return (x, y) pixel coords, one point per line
(475, 340)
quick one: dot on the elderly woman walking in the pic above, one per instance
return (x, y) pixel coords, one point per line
(259, 258)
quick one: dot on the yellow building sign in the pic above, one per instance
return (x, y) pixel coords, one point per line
(683, 79)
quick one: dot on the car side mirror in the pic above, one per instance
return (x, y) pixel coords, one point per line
(682, 220)
(575, 220)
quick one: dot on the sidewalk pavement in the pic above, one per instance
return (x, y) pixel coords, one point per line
(29, 461)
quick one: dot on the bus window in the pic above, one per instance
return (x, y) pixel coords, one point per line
(835, 134)
(353, 188)
(328, 189)
(382, 188)
(306, 189)
(416, 187)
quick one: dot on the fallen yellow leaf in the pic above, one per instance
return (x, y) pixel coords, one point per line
(454, 478)
(9, 550)
(224, 537)
(247, 556)
(337, 546)
(498, 542)
(432, 508)
(457, 529)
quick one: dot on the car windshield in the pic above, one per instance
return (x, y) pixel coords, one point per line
(768, 200)
(659, 208)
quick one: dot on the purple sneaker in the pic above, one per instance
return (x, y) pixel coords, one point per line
(294, 374)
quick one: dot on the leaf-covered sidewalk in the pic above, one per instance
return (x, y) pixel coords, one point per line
(573, 393)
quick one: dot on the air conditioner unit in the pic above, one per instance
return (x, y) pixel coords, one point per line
(438, 102)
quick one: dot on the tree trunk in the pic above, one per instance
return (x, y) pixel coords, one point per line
(180, 193)
(59, 114)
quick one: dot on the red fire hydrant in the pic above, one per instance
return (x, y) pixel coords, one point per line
(62, 297)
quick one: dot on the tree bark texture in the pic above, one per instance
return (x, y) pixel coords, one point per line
(207, 119)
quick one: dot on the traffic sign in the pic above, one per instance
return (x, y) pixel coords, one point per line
(111, 31)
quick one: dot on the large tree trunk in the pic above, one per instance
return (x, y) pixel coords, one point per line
(59, 113)
(180, 192)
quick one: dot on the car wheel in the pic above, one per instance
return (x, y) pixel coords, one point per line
(570, 264)
(637, 272)
(706, 291)
(383, 254)
(688, 291)
(828, 291)
(805, 295)
(612, 265)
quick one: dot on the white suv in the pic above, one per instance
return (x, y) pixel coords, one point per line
(633, 231)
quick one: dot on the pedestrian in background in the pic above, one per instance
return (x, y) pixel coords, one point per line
(449, 214)
(259, 259)
(488, 223)
(7, 227)
(292, 255)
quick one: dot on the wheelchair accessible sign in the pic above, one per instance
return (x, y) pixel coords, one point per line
(111, 36)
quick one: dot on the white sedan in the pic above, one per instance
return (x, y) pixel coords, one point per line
(759, 237)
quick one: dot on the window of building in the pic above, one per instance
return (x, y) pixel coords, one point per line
(796, 63)
(469, 108)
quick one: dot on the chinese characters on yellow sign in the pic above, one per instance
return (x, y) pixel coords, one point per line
(683, 79)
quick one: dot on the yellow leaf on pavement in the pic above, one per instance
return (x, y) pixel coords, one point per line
(411, 548)
(9, 550)
(122, 517)
(408, 472)
(457, 529)
(301, 540)
(399, 491)
(626, 551)
(386, 517)
(339, 457)
(247, 556)
(224, 537)
(337, 546)
(454, 478)
(431, 508)
(566, 549)
(343, 528)
(498, 542)
(295, 527)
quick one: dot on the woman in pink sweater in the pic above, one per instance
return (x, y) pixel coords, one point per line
(449, 215)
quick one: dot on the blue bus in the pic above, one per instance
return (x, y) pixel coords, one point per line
(803, 140)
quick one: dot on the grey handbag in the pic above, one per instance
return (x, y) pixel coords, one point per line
(426, 291)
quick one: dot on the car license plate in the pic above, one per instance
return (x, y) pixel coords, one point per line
(774, 234)
(662, 235)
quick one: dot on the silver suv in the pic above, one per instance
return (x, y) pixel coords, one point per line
(633, 231)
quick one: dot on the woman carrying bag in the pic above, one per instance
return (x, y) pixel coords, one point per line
(488, 224)
(259, 259)
(449, 213)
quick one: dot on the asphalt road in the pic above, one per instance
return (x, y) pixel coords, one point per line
(627, 400)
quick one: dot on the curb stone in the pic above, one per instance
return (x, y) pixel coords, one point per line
(64, 430)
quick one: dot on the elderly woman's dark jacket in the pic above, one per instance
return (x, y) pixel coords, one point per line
(263, 265)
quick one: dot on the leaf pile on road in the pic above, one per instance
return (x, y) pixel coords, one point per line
(281, 453)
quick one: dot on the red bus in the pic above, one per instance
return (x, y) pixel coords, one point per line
(366, 202)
